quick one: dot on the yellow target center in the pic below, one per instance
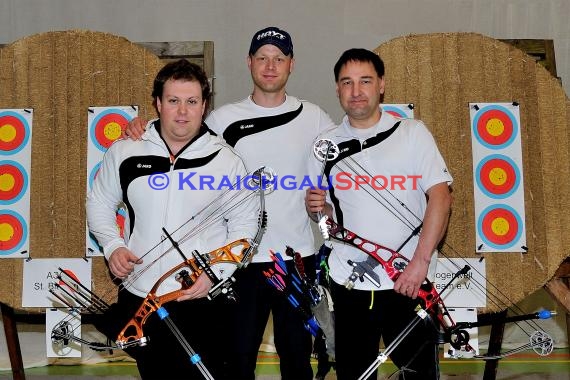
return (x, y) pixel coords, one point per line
(7, 182)
(112, 131)
(6, 232)
(7, 132)
(495, 127)
(500, 226)
(498, 176)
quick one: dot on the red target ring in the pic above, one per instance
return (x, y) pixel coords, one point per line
(498, 176)
(12, 232)
(495, 126)
(13, 182)
(109, 128)
(120, 219)
(395, 111)
(13, 132)
(500, 227)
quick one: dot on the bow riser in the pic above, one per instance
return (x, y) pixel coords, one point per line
(152, 302)
(455, 334)
(394, 265)
(238, 253)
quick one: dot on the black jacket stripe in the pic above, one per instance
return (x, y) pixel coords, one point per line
(348, 148)
(242, 128)
(141, 166)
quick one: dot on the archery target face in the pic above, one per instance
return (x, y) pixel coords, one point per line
(13, 232)
(107, 127)
(14, 132)
(94, 244)
(500, 226)
(120, 217)
(13, 182)
(497, 176)
(93, 174)
(402, 111)
(495, 127)
(71, 274)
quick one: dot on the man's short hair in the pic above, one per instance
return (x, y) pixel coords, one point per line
(359, 55)
(184, 70)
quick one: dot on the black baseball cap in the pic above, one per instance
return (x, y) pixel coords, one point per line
(273, 36)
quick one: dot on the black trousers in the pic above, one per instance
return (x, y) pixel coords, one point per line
(256, 299)
(363, 317)
(164, 357)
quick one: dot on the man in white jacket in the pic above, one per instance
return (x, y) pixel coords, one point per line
(373, 148)
(270, 127)
(173, 179)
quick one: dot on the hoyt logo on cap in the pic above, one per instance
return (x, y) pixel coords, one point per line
(272, 36)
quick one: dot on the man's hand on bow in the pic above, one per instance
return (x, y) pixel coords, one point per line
(198, 290)
(434, 226)
(122, 262)
(315, 202)
(135, 129)
(413, 276)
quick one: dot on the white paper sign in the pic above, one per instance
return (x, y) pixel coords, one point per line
(463, 315)
(468, 290)
(65, 322)
(41, 275)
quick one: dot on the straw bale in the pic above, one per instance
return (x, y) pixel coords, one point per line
(441, 73)
(60, 75)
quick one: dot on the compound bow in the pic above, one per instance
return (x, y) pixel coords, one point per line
(394, 263)
(238, 253)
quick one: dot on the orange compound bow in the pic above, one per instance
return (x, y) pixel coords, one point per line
(187, 272)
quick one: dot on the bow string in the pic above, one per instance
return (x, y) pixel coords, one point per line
(394, 263)
(238, 253)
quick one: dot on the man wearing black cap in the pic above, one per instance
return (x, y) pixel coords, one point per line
(270, 128)
(277, 130)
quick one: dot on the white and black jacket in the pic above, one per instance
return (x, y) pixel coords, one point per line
(134, 173)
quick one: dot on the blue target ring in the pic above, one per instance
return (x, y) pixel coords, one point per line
(495, 217)
(16, 138)
(99, 123)
(13, 232)
(505, 128)
(497, 176)
(395, 111)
